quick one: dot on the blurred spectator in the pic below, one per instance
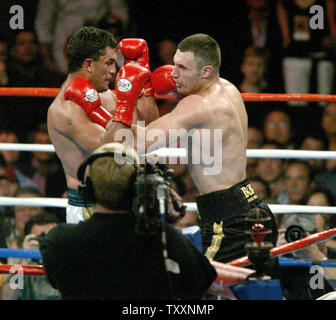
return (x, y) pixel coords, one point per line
(328, 124)
(9, 136)
(163, 54)
(24, 64)
(306, 50)
(298, 181)
(57, 20)
(322, 196)
(34, 287)
(254, 141)
(261, 30)
(278, 127)
(252, 69)
(166, 51)
(314, 142)
(271, 170)
(5, 191)
(41, 170)
(261, 188)
(8, 182)
(26, 69)
(21, 215)
(3, 62)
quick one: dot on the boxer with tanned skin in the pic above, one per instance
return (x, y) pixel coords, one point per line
(80, 118)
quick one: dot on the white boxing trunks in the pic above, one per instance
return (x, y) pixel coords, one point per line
(77, 210)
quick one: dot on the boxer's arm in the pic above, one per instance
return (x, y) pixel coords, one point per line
(147, 109)
(187, 114)
(72, 123)
(83, 93)
(108, 100)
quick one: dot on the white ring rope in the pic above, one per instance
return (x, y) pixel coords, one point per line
(177, 152)
(191, 206)
(180, 152)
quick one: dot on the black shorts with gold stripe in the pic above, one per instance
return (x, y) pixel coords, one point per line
(223, 222)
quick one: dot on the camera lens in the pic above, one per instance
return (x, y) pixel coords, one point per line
(294, 233)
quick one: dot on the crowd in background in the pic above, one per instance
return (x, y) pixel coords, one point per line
(267, 46)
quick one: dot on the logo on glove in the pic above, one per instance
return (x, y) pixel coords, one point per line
(124, 85)
(91, 95)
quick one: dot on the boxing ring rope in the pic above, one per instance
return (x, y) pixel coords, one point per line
(247, 97)
(288, 247)
(181, 152)
(229, 273)
(191, 206)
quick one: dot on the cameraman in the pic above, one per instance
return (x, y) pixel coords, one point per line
(104, 258)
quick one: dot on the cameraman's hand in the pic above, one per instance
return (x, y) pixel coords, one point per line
(30, 242)
(281, 237)
(314, 253)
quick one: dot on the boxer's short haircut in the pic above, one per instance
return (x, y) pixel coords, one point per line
(205, 49)
(88, 42)
(112, 182)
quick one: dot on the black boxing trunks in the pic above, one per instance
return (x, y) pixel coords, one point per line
(223, 221)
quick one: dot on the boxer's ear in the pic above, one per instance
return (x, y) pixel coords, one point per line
(87, 64)
(207, 71)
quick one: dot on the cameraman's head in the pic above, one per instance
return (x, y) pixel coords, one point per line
(112, 174)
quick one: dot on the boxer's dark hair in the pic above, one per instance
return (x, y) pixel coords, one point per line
(88, 42)
(204, 47)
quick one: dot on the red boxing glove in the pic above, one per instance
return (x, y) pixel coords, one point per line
(129, 83)
(135, 49)
(81, 91)
(162, 80)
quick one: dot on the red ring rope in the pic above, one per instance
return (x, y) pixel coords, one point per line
(52, 92)
(292, 246)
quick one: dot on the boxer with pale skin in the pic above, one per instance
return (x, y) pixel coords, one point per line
(80, 118)
(211, 103)
(208, 105)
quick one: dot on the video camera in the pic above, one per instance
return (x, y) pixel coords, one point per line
(298, 226)
(152, 197)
